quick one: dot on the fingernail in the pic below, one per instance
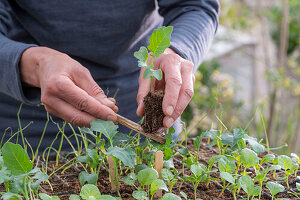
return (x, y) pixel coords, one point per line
(169, 122)
(169, 110)
(107, 101)
(110, 118)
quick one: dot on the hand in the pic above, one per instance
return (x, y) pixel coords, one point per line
(67, 88)
(177, 82)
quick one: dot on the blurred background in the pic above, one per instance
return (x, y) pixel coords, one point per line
(251, 75)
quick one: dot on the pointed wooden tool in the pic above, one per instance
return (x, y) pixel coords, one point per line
(138, 128)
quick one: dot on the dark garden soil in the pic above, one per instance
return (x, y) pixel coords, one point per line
(154, 115)
(64, 183)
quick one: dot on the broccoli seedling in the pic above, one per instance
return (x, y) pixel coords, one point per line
(158, 42)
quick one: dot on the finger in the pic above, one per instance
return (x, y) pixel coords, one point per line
(144, 88)
(170, 66)
(83, 79)
(69, 113)
(81, 100)
(185, 95)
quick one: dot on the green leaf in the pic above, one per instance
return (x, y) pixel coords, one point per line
(160, 40)
(285, 162)
(183, 151)
(126, 155)
(267, 158)
(274, 188)
(167, 175)
(140, 195)
(151, 72)
(106, 197)
(11, 196)
(227, 177)
(255, 146)
(248, 157)
(90, 192)
(158, 185)
(298, 186)
(74, 197)
(184, 195)
(142, 56)
(85, 177)
(197, 142)
(44, 196)
(4, 175)
(226, 165)
(130, 179)
(170, 196)
(147, 176)
(108, 128)
(139, 168)
(16, 159)
(39, 177)
(247, 184)
(198, 170)
(169, 163)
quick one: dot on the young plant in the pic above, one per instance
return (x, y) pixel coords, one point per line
(17, 172)
(126, 154)
(169, 177)
(91, 192)
(232, 182)
(248, 158)
(286, 163)
(248, 186)
(158, 42)
(274, 188)
(150, 184)
(261, 175)
(200, 174)
(296, 194)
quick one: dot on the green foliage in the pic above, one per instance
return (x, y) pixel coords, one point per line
(44, 196)
(107, 128)
(248, 186)
(147, 176)
(16, 159)
(158, 42)
(170, 196)
(90, 192)
(126, 155)
(249, 158)
(140, 195)
(274, 188)
(85, 177)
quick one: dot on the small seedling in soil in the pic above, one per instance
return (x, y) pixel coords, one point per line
(248, 186)
(158, 42)
(274, 188)
(286, 163)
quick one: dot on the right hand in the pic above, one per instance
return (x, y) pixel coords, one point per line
(67, 88)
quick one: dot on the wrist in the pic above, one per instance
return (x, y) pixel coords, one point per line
(30, 64)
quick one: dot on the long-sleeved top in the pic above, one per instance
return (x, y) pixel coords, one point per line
(102, 36)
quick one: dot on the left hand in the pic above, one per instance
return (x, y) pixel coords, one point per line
(177, 82)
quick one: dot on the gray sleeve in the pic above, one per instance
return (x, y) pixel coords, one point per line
(10, 54)
(195, 23)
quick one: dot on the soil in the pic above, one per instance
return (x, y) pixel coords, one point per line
(154, 114)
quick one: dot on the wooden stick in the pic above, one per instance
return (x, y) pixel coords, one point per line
(112, 177)
(159, 164)
(138, 128)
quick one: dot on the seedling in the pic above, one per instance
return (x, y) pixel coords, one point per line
(248, 186)
(248, 158)
(169, 177)
(286, 163)
(17, 172)
(200, 174)
(158, 42)
(91, 192)
(274, 188)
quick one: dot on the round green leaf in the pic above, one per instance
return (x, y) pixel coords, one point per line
(285, 162)
(227, 177)
(147, 176)
(89, 192)
(274, 188)
(140, 195)
(170, 196)
(248, 157)
(158, 185)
